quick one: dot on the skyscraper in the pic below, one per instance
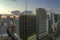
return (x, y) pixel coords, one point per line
(54, 20)
(41, 21)
(49, 26)
(27, 26)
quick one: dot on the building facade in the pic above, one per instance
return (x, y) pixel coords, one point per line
(41, 21)
(27, 26)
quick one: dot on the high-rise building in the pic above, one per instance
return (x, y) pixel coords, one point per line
(27, 26)
(54, 18)
(49, 22)
(57, 24)
(58, 17)
(17, 25)
(41, 21)
(50, 26)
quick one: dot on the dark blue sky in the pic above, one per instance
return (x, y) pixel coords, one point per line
(31, 4)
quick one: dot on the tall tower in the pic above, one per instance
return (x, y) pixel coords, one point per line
(41, 21)
(27, 26)
(54, 20)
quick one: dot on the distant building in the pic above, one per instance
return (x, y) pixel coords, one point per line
(54, 18)
(50, 26)
(58, 17)
(53, 21)
(6, 21)
(26, 13)
(15, 12)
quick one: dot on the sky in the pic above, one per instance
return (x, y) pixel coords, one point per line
(6, 6)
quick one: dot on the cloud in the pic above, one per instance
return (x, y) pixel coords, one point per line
(26, 12)
(16, 12)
